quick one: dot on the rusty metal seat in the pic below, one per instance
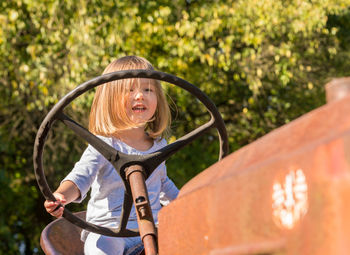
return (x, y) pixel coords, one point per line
(62, 237)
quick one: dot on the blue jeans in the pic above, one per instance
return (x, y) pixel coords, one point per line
(96, 244)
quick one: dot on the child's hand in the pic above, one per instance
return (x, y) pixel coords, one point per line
(51, 207)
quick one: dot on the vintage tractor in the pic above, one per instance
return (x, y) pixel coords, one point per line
(285, 193)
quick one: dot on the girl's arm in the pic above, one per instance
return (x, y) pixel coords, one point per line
(77, 183)
(169, 191)
(66, 193)
(169, 188)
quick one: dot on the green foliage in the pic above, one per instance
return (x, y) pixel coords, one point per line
(263, 63)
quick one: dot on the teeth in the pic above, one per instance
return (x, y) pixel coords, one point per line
(139, 108)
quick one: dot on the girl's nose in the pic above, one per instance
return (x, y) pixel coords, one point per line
(139, 95)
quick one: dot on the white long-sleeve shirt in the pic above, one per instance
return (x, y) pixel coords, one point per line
(107, 189)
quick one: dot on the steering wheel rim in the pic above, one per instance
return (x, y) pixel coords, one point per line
(119, 160)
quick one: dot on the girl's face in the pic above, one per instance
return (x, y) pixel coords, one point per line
(141, 103)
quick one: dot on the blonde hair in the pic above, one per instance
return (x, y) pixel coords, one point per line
(108, 114)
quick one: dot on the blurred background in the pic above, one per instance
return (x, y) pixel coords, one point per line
(262, 62)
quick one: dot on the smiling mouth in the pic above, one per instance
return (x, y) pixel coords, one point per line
(139, 108)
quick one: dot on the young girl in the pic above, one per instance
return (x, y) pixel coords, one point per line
(131, 115)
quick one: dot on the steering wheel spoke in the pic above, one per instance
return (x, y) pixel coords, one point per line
(105, 149)
(156, 158)
(127, 205)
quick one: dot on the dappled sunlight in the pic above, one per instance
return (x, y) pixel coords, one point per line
(290, 199)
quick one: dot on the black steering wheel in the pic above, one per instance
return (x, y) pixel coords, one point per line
(119, 160)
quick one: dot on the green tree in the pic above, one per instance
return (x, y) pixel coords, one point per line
(263, 63)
